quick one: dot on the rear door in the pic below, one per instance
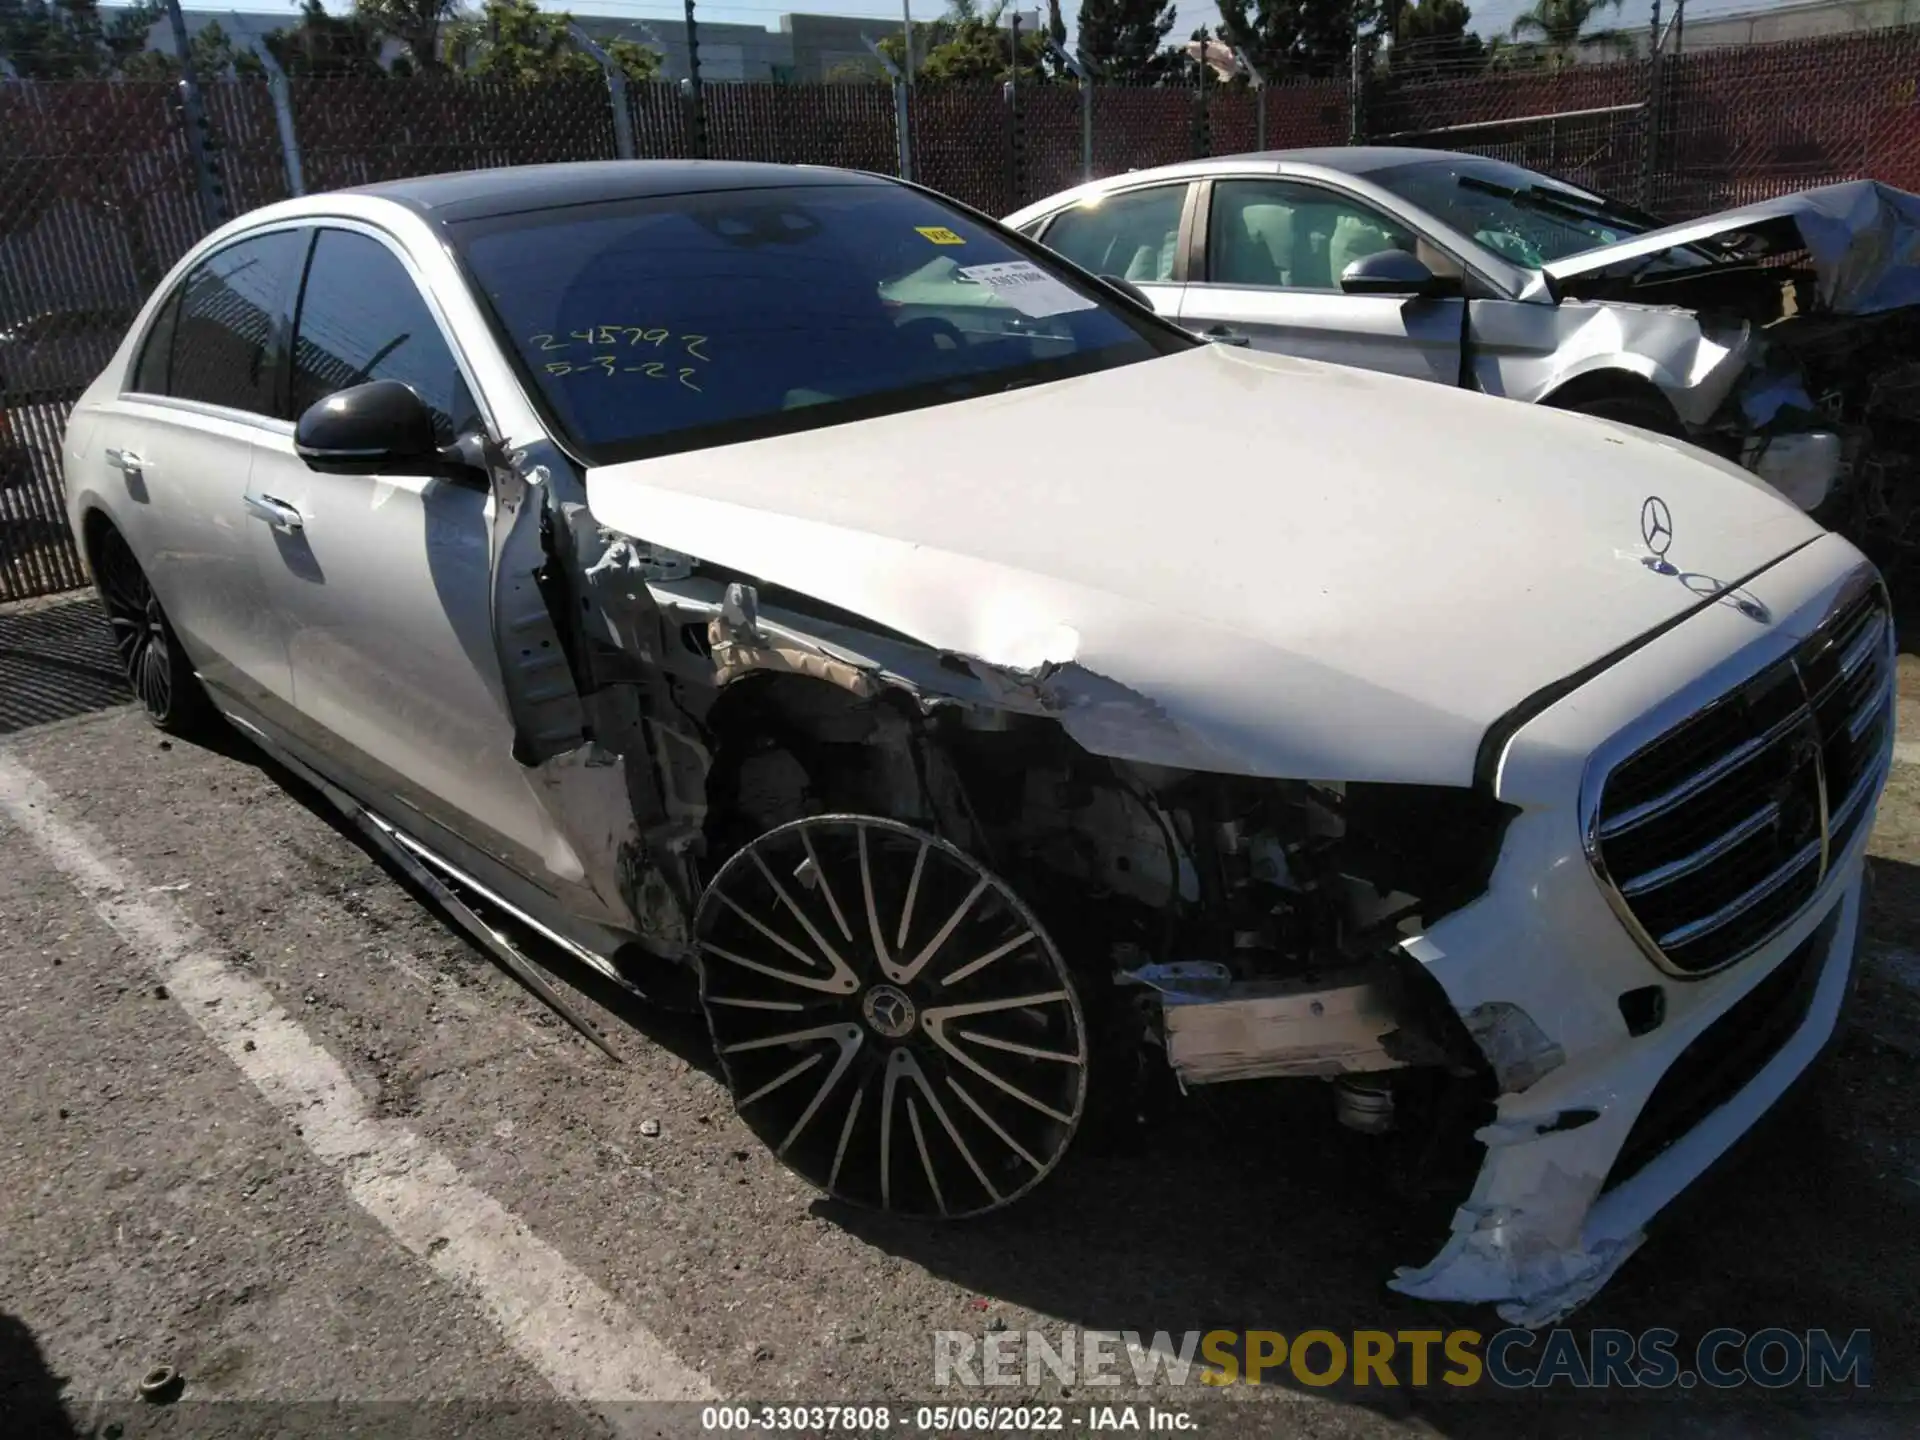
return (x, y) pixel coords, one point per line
(384, 579)
(1275, 250)
(1137, 234)
(179, 443)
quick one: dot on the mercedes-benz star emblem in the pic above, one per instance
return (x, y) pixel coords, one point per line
(888, 1011)
(1656, 526)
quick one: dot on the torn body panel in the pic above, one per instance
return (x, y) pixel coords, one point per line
(1829, 281)
(1529, 352)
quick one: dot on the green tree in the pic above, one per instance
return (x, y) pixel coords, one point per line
(1561, 26)
(324, 45)
(1297, 37)
(416, 24)
(969, 43)
(516, 40)
(1430, 39)
(211, 52)
(851, 71)
(69, 40)
(1123, 38)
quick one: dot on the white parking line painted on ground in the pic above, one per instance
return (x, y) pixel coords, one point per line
(587, 1345)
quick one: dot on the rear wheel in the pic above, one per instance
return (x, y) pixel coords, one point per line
(150, 655)
(892, 1020)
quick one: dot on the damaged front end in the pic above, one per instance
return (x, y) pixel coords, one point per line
(1815, 301)
(944, 907)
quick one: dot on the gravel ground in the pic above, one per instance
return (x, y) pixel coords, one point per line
(157, 1208)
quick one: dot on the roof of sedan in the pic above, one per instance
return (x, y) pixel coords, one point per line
(473, 194)
(1353, 159)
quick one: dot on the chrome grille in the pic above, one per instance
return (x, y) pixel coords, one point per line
(1711, 838)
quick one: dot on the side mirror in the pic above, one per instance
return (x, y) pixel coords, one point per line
(1395, 272)
(381, 427)
(1127, 288)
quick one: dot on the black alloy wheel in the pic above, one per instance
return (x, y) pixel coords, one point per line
(892, 1020)
(150, 655)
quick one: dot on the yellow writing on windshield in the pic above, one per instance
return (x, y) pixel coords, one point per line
(940, 235)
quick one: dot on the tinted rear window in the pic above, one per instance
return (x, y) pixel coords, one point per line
(663, 324)
(229, 311)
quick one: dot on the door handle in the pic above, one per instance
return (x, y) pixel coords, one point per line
(277, 513)
(125, 461)
(1225, 335)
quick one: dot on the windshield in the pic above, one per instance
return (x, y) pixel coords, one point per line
(669, 323)
(1519, 215)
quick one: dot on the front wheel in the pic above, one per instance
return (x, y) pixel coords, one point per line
(156, 667)
(893, 1021)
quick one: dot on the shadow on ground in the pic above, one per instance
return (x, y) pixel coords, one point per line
(57, 661)
(30, 1393)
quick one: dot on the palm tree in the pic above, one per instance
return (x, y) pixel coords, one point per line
(1561, 25)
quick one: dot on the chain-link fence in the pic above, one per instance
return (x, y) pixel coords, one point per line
(108, 182)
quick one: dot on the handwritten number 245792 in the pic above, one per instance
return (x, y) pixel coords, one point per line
(630, 335)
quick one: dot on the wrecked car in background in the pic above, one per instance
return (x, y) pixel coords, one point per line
(1780, 335)
(643, 552)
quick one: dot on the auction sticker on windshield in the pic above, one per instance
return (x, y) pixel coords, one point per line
(1026, 287)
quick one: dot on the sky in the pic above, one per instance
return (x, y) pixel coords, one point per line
(1490, 17)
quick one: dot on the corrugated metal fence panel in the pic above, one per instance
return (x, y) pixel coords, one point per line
(357, 132)
(100, 201)
(849, 125)
(1749, 122)
(961, 144)
(1603, 151)
(37, 555)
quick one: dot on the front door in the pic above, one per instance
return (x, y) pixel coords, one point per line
(1275, 252)
(384, 580)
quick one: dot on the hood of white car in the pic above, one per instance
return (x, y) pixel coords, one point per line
(1231, 560)
(1861, 238)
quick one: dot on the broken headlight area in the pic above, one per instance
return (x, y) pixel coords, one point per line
(1248, 928)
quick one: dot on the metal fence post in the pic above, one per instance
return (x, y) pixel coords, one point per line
(282, 95)
(1259, 83)
(212, 192)
(695, 94)
(1650, 117)
(1357, 100)
(900, 110)
(616, 91)
(1082, 70)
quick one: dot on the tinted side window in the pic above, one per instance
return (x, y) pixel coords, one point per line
(223, 338)
(156, 357)
(1296, 237)
(362, 318)
(1132, 235)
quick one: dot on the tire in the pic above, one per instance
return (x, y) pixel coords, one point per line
(151, 657)
(893, 1021)
(1646, 412)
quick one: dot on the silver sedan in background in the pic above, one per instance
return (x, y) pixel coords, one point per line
(1781, 335)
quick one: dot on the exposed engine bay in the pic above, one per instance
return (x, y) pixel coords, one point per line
(1817, 304)
(1213, 927)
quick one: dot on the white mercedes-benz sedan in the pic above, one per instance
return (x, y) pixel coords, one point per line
(788, 580)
